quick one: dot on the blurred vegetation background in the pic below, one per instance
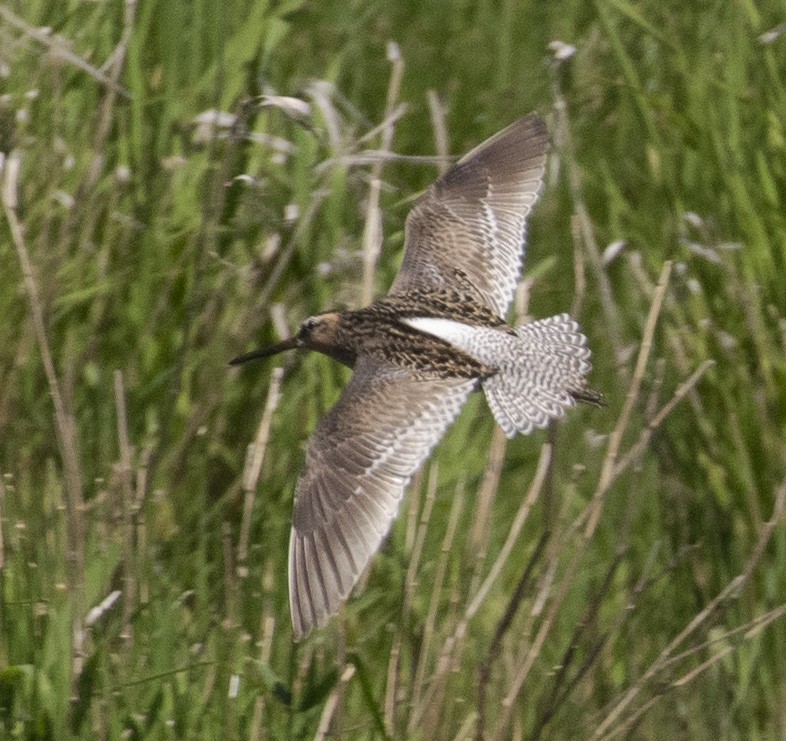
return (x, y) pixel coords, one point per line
(165, 208)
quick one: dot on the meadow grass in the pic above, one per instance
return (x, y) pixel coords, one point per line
(622, 574)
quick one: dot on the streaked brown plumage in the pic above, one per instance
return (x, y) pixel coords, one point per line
(417, 354)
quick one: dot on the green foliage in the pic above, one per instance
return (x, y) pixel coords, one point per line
(164, 241)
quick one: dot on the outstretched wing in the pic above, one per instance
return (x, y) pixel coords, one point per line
(473, 219)
(359, 461)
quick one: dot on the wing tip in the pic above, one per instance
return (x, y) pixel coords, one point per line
(314, 599)
(528, 135)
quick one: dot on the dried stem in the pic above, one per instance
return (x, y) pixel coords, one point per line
(615, 440)
(749, 630)
(579, 269)
(479, 535)
(253, 467)
(606, 729)
(417, 538)
(454, 642)
(502, 628)
(391, 684)
(332, 702)
(2, 521)
(638, 448)
(65, 422)
(58, 47)
(267, 630)
(372, 232)
(582, 222)
(410, 580)
(537, 645)
(544, 463)
(128, 502)
(437, 110)
(436, 592)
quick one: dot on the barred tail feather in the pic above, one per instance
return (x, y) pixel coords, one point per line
(539, 368)
(540, 376)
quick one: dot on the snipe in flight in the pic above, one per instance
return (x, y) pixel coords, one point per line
(417, 354)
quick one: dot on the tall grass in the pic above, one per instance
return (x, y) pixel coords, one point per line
(621, 574)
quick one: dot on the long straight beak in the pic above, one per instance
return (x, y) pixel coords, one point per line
(266, 352)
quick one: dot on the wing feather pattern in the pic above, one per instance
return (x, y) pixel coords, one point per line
(475, 217)
(359, 461)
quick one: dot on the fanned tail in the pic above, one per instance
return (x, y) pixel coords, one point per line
(540, 376)
(539, 369)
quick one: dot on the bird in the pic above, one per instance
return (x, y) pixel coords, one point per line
(417, 353)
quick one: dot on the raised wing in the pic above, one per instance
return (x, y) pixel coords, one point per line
(359, 461)
(470, 225)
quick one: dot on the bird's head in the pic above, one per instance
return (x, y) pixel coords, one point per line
(316, 333)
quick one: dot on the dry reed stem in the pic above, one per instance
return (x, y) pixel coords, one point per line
(287, 253)
(680, 352)
(564, 143)
(324, 94)
(210, 683)
(267, 628)
(2, 524)
(65, 423)
(388, 120)
(410, 532)
(372, 231)
(417, 526)
(637, 449)
(541, 471)
(615, 440)
(410, 580)
(229, 625)
(332, 703)
(453, 644)
(753, 628)
(304, 654)
(229, 582)
(437, 110)
(606, 728)
(540, 638)
(391, 684)
(450, 649)
(479, 535)
(142, 471)
(579, 268)
(128, 502)
(465, 731)
(378, 156)
(58, 48)
(749, 630)
(650, 406)
(254, 459)
(436, 591)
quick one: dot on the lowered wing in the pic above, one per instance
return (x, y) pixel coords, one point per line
(359, 461)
